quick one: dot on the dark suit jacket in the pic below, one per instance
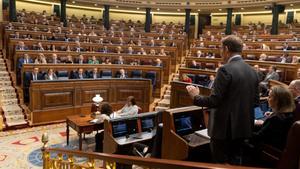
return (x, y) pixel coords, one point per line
(91, 75)
(233, 98)
(274, 130)
(22, 60)
(76, 76)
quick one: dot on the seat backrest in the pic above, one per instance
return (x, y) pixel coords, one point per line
(291, 155)
(151, 75)
(192, 77)
(106, 74)
(62, 73)
(201, 79)
(136, 74)
(157, 142)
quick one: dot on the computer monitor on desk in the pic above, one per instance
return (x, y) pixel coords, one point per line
(148, 123)
(119, 134)
(124, 127)
(179, 131)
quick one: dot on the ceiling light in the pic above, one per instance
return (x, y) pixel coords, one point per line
(220, 9)
(178, 10)
(199, 10)
(242, 8)
(138, 8)
(158, 9)
(73, 2)
(117, 6)
(291, 4)
(96, 4)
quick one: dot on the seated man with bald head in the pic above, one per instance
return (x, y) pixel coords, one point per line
(294, 88)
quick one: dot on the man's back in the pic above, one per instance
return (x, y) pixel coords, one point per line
(234, 94)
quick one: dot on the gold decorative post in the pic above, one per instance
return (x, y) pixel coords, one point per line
(46, 155)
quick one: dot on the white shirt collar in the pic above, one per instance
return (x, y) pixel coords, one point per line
(235, 56)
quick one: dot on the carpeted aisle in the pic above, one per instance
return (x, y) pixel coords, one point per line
(20, 149)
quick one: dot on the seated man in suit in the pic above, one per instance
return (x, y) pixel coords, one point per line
(162, 52)
(80, 60)
(36, 75)
(158, 63)
(120, 60)
(142, 52)
(199, 54)
(94, 60)
(272, 75)
(285, 58)
(78, 48)
(106, 61)
(95, 74)
(294, 88)
(24, 60)
(259, 72)
(39, 47)
(80, 74)
(286, 47)
(194, 65)
(21, 46)
(130, 50)
(69, 59)
(50, 75)
(54, 59)
(122, 74)
(211, 81)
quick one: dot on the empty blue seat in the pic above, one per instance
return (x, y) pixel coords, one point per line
(106, 74)
(151, 75)
(136, 74)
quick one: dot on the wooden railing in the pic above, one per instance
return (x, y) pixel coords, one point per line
(54, 158)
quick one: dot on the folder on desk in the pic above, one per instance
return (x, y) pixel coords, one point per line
(203, 133)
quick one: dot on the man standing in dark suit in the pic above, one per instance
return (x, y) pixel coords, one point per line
(233, 98)
(80, 74)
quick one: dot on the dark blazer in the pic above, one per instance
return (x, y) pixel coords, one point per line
(76, 75)
(233, 98)
(274, 130)
(22, 60)
(91, 75)
(195, 66)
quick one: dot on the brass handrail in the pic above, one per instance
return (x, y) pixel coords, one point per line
(66, 159)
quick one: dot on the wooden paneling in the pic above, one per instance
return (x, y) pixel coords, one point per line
(52, 101)
(180, 96)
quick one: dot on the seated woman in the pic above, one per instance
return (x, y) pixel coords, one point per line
(106, 112)
(275, 128)
(186, 79)
(130, 108)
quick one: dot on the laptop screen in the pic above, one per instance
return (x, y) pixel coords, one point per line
(147, 123)
(119, 129)
(259, 114)
(183, 125)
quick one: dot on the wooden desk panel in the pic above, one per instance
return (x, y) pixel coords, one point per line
(52, 101)
(180, 96)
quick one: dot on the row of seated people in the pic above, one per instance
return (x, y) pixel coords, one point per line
(285, 58)
(203, 80)
(41, 59)
(113, 28)
(45, 19)
(265, 75)
(84, 39)
(79, 74)
(251, 38)
(91, 32)
(78, 48)
(284, 46)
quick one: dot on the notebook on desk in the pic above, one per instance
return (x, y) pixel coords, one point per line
(203, 133)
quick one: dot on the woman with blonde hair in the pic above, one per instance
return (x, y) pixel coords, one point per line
(275, 128)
